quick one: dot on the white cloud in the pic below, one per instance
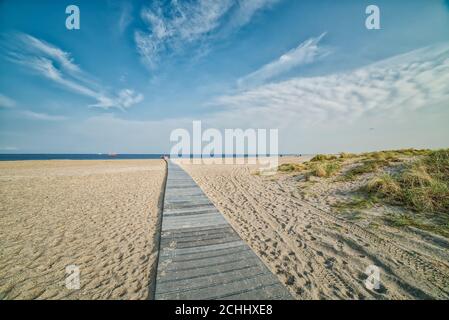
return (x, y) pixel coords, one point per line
(321, 114)
(395, 86)
(246, 10)
(42, 116)
(58, 66)
(39, 47)
(6, 102)
(125, 16)
(181, 23)
(126, 98)
(305, 53)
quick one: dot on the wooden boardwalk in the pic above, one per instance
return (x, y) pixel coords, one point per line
(201, 256)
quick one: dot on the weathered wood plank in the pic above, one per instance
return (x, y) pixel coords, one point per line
(201, 256)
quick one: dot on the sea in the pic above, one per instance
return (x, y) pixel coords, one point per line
(52, 156)
(100, 156)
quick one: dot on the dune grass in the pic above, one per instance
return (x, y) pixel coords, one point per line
(373, 161)
(366, 166)
(323, 157)
(423, 185)
(325, 166)
(346, 155)
(420, 186)
(357, 203)
(325, 169)
(393, 154)
(291, 167)
(322, 169)
(439, 226)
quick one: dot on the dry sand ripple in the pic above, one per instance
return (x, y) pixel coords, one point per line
(99, 215)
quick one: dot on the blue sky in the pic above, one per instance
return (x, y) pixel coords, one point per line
(138, 69)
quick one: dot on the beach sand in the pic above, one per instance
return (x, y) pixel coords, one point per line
(99, 215)
(103, 216)
(315, 252)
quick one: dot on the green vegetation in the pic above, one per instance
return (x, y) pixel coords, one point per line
(345, 155)
(323, 157)
(392, 155)
(366, 166)
(325, 169)
(373, 161)
(329, 165)
(358, 203)
(422, 186)
(439, 226)
(291, 167)
(322, 169)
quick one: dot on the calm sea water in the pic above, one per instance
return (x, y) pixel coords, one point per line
(36, 156)
(47, 156)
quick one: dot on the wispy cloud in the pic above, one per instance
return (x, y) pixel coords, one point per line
(125, 99)
(42, 116)
(173, 26)
(6, 102)
(394, 86)
(245, 10)
(58, 66)
(181, 22)
(37, 47)
(305, 53)
(125, 16)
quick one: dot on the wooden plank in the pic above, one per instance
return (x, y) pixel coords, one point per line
(201, 256)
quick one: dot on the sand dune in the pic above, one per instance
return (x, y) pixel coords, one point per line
(98, 215)
(316, 253)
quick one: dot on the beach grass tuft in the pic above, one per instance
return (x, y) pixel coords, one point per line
(392, 155)
(325, 169)
(323, 157)
(322, 169)
(366, 166)
(439, 226)
(291, 167)
(357, 203)
(422, 185)
(346, 155)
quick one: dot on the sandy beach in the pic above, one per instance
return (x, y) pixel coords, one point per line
(316, 252)
(103, 216)
(99, 215)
